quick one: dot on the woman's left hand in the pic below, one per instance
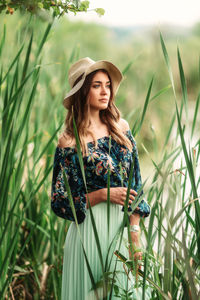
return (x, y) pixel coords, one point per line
(134, 249)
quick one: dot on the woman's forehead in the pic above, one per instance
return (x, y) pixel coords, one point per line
(101, 76)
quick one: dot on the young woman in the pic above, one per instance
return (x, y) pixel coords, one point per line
(108, 150)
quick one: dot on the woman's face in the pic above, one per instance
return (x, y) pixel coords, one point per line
(100, 91)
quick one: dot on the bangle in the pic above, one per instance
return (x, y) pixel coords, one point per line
(134, 228)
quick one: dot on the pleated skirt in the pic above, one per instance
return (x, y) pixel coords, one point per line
(76, 277)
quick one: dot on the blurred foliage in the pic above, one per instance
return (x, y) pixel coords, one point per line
(196, 29)
(58, 7)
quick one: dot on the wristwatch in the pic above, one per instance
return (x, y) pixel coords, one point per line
(134, 228)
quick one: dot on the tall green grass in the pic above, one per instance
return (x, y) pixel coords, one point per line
(26, 231)
(32, 238)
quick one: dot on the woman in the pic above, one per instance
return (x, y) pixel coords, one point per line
(108, 151)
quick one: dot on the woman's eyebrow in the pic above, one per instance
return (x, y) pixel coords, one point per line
(97, 81)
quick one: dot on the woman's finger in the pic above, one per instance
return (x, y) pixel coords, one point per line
(131, 197)
(133, 192)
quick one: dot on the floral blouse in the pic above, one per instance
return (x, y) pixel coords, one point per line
(96, 164)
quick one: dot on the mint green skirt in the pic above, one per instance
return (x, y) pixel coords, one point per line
(76, 281)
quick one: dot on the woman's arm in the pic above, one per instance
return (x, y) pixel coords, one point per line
(117, 196)
(134, 250)
(135, 236)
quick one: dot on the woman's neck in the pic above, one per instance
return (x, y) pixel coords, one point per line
(97, 127)
(95, 120)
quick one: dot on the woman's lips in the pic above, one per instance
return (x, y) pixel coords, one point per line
(104, 100)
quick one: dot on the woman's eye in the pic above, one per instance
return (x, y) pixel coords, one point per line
(98, 85)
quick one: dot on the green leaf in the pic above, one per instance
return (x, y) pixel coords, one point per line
(166, 56)
(44, 38)
(125, 70)
(191, 278)
(195, 115)
(162, 91)
(100, 11)
(12, 64)
(183, 83)
(144, 109)
(84, 5)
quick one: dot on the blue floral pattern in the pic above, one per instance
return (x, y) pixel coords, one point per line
(96, 164)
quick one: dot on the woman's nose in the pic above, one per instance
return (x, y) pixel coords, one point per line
(103, 90)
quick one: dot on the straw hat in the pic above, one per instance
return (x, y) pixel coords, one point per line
(84, 67)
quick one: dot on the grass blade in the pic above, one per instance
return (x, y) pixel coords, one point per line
(183, 83)
(44, 38)
(144, 108)
(3, 40)
(189, 271)
(195, 115)
(167, 62)
(27, 59)
(12, 64)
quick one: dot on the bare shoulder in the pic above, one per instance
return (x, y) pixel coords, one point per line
(65, 140)
(124, 125)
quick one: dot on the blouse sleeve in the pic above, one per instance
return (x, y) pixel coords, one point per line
(143, 208)
(66, 159)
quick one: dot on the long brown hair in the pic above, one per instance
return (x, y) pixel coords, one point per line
(79, 107)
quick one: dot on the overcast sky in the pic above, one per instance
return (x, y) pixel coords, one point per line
(144, 12)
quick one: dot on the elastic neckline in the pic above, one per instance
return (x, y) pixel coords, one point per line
(92, 142)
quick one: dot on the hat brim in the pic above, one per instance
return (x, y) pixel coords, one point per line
(114, 73)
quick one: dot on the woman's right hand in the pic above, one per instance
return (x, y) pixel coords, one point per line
(118, 195)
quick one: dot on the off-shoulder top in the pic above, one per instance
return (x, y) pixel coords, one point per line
(96, 164)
